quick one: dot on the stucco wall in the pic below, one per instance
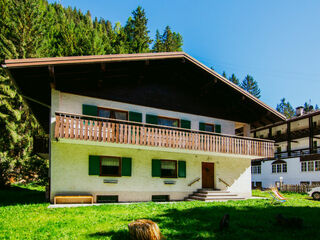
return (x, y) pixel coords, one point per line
(294, 175)
(69, 172)
(71, 103)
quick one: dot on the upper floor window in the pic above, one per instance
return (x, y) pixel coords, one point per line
(279, 166)
(113, 113)
(171, 122)
(208, 127)
(256, 169)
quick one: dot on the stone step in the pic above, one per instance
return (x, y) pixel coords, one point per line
(214, 200)
(227, 194)
(214, 197)
(211, 191)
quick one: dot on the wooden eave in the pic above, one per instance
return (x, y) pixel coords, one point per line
(44, 71)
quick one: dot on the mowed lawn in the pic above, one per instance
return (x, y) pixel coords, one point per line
(24, 215)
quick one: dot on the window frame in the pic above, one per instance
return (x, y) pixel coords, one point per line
(210, 124)
(111, 175)
(117, 110)
(169, 118)
(176, 168)
(304, 166)
(256, 169)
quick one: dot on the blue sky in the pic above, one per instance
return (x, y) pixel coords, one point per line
(277, 42)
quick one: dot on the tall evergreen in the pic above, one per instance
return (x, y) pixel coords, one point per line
(234, 79)
(285, 108)
(168, 42)
(35, 28)
(137, 32)
(251, 86)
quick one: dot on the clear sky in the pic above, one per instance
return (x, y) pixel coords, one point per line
(277, 42)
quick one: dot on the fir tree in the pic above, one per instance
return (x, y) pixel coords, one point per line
(137, 32)
(224, 74)
(251, 86)
(234, 79)
(285, 108)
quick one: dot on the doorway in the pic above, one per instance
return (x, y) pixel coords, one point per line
(207, 175)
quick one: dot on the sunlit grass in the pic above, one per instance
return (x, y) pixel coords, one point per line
(24, 215)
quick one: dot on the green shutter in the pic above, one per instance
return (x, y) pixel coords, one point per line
(156, 168)
(135, 116)
(217, 128)
(89, 110)
(153, 119)
(126, 166)
(182, 171)
(201, 126)
(185, 124)
(94, 165)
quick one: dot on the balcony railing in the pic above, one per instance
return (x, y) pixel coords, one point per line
(82, 127)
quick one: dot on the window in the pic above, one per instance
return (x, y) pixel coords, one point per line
(112, 113)
(310, 166)
(279, 166)
(107, 198)
(256, 169)
(171, 122)
(168, 168)
(316, 183)
(278, 149)
(160, 198)
(259, 184)
(278, 132)
(284, 167)
(317, 165)
(303, 166)
(208, 127)
(110, 166)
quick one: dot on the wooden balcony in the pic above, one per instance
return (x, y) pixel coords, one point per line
(88, 128)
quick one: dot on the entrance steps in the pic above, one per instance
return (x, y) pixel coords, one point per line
(211, 195)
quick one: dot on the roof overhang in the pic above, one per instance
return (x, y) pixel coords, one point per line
(153, 79)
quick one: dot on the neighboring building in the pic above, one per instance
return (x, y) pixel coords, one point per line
(138, 127)
(297, 155)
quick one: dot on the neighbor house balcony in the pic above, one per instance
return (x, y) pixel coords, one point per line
(99, 129)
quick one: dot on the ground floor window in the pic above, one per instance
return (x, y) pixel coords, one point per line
(110, 166)
(168, 168)
(304, 182)
(279, 167)
(310, 166)
(256, 169)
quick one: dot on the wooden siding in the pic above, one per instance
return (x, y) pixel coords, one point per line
(73, 126)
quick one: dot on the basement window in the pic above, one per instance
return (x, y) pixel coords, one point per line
(107, 199)
(160, 198)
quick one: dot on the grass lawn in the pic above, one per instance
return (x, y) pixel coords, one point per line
(24, 215)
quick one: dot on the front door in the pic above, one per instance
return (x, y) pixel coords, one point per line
(207, 175)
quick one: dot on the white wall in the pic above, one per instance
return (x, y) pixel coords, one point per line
(292, 176)
(71, 103)
(70, 172)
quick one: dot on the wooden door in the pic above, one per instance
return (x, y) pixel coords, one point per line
(207, 175)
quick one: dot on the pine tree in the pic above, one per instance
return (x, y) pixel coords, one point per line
(251, 86)
(137, 32)
(224, 74)
(285, 108)
(234, 79)
(158, 45)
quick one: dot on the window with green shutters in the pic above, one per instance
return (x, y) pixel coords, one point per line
(94, 165)
(135, 116)
(126, 166)
(89, 110)
(185, 124)
(109, 166)
(201, 126)
(168, 168)
(182, 171)
(218, 128)
(152, 119)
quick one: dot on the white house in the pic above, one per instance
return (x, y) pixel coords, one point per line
(297, 156)
(142, 127)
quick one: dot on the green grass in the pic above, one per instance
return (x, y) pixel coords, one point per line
(24, 215)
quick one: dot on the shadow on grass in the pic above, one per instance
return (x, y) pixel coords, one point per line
(247, 222)
(119, 235)
(16, 195)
